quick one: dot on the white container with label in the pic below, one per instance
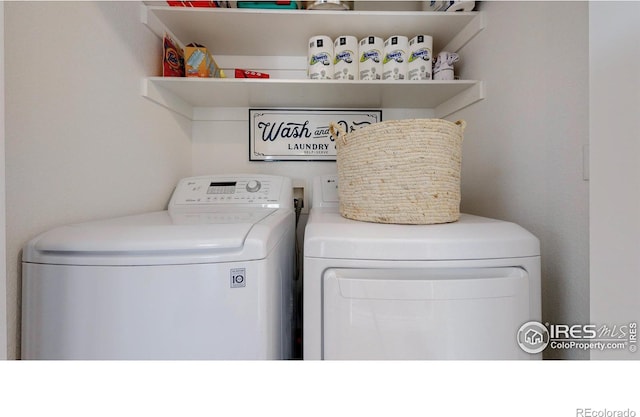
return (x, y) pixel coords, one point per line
(394, 64)
(345, 61)
(420, 63)
(370, 51)
(320, 58)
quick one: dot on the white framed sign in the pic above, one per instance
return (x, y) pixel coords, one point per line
(301, 135)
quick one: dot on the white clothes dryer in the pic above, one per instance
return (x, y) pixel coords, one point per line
(209, 278)
(383, 291)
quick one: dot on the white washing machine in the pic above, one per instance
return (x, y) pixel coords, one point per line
(210, 278)
(449, 291)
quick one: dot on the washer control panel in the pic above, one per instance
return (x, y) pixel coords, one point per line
(260, 190)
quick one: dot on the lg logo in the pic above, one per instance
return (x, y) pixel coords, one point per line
(238, 277)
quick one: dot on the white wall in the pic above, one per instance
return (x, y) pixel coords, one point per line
(3, 259)
(81, 141)
(614, 47)
(522, 153)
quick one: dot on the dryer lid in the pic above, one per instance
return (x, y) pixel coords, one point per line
(329, 235)
(162, 235)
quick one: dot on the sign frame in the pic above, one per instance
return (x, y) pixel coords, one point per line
(301, 134)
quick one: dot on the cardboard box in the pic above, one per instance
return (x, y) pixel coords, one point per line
(280, 4)
(198, 62)
(241, 73)
(201, 3)
(172, 58)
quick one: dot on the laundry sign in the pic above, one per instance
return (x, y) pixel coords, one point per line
(301, 135)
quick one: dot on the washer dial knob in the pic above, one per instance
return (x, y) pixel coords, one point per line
(253, 186)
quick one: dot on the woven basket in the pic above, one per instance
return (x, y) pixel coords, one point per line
(400, 171)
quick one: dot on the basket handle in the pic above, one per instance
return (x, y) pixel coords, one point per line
(462, 124)
(337, 132)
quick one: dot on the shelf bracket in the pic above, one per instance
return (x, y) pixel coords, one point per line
(465, 35)
(166, 99)
(155, 25)
(466, 98)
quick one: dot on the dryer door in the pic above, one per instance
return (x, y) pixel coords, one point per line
(433, 313)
